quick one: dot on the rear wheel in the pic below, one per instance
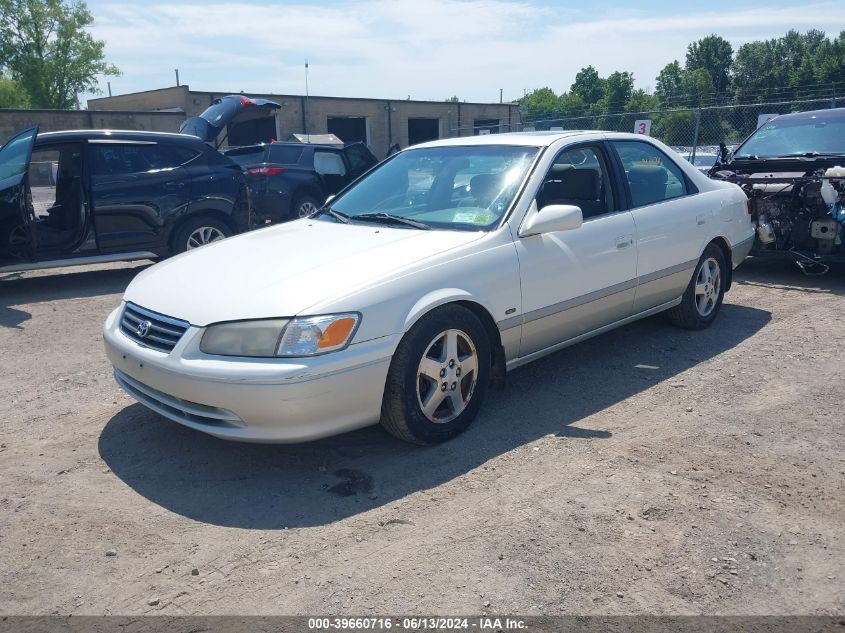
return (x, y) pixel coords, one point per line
(198, 232)
(304, 206)
(438, 377)
(704, 294)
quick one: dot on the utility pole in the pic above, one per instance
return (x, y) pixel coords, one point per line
(177, 76)
(108, 83)
(305, 107)
(500, 95)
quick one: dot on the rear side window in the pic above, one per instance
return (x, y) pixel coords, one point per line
(329, 164)
(652, 176)
(114, 158)
(285, 154)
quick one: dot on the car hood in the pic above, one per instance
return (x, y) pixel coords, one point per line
(283, 270)
(223, 111)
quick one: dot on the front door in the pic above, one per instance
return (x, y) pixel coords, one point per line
(17, 222)
(574, 282)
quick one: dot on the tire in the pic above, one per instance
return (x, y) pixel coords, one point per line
(303, 206)
(703, 297)
(453, 408)
(196, 232)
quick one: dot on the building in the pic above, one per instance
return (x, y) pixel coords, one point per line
(377, 122)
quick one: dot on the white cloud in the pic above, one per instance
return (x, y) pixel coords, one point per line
(423, 48)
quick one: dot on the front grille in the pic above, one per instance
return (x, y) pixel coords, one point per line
(151, 329)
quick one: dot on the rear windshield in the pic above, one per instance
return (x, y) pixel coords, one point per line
(247, 155)
(285, 154)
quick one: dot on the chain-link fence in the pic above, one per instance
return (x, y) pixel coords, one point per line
(692, 131)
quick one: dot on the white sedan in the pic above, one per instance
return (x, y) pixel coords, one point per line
(424, 282)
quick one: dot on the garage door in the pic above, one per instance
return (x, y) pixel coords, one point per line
(349, 129)
(422, 130)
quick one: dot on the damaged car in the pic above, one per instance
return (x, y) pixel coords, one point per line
(793, 171)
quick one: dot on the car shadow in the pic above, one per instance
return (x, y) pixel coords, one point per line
(277, 486)
(784, 274)
(17, 289)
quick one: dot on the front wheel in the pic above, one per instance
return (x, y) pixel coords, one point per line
(304, 206)
(704, 294)
(438, 377)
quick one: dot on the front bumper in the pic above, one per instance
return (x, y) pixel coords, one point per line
(258, 399)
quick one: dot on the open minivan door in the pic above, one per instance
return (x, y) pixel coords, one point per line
(225, 111)
(17, 216)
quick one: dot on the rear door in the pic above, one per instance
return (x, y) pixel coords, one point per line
(136, 187)
(359, 159)
(331, 169)
(17, 222)
(671, 218)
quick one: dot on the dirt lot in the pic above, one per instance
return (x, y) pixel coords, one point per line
(650, 470)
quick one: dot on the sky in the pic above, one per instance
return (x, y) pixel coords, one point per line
(422, 49)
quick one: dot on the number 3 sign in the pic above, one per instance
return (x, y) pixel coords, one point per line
(642, 126)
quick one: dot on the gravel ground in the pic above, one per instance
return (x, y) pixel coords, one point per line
(650, 470)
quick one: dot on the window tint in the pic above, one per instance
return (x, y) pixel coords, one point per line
(329, 164)
(579, 177)
(113, 158)
(14, 154)
(652, 176)
(285, 154)
(359, 158)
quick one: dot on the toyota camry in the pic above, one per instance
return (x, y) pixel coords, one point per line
(422, 283)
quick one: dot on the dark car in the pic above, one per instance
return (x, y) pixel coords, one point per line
(98, 195)
(292, 180)
(793, 171)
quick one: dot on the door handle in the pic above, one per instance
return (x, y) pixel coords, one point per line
(701, 219)
(624, 241)
(171, 186)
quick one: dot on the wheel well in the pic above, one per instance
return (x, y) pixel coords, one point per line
(722, 243)
(498, 370)
(217, 215)
(307, 191)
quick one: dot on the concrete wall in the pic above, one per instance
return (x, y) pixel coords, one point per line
(12, 121)
(387, 120)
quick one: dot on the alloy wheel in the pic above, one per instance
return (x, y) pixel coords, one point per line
(447, 375)
(708, 284)
(306, 209)
(204, 235)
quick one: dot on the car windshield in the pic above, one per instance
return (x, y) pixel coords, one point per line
(464, 188)
(795, 136)
(704, 160)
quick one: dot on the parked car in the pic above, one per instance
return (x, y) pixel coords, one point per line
(293, 180)
(793, 171)
(445, 266)
(114, 196)
(703, 159)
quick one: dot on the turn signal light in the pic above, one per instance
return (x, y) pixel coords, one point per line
(336, 333)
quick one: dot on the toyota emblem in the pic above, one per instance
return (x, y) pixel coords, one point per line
(143, 329)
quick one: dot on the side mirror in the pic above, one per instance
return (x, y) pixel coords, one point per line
(330, 198)
(551, 218)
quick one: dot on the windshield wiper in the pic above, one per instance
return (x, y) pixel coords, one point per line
(337, 215)
(746, 157)
(389, 218)
(808, 154)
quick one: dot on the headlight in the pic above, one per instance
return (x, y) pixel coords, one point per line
(303, 336)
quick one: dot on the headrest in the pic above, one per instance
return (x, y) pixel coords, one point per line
(647, 175)
(484, 184)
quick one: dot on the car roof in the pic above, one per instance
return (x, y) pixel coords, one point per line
(122, 135)
(531, 139)
(829, 113)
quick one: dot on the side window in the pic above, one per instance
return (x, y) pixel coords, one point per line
(329, 164)
(579, 176)
(359, 158)
(113, 159)
(652, 176)
(285, 154)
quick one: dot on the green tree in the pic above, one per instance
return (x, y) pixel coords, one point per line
(670, 84)
(618, 88)
(12, 95)
(588, 85)
(642, 101)
(713, 54)
(539, 103)
(45, 48)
